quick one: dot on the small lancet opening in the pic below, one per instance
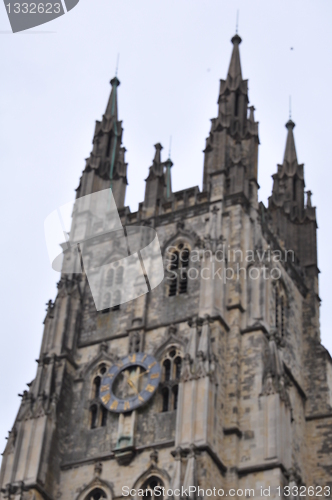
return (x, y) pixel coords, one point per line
(117, 299)
(167, 369)
(183, 282)
(109, 142)
(96, 385)
(165, 396)
(93, 416)
(103, 416)
(237, 99)
(177, 363)
(110, 277)
(294, 188)
(96, 494)
(172, 286)
(119, 275)
(185, 257)
(175, 396)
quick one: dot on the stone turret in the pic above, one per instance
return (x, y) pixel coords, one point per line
(158, 188)
(106, 166)
(293, 221)
(231, 151)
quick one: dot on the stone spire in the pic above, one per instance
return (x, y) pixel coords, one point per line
(290, 150)
(112, 105)
(232, 146)
(293, 220)
(288, 182)
(234, 70)
(106, 166)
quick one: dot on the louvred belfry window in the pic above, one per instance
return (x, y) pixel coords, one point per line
(113, 282)
(171, 373)
(98, 414)
(96, 494)
(149, 488)
(177, 267)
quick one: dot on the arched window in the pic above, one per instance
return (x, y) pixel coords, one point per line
(236, 107)
(96, 494)
(149, 486)
(134, 342)
(110, 277)
(171, 374)
(96, 384)
(113, 279)
(93, 416)
(177, 266)
(98, 413)
(109, 142)
(167, 369)
(119, 275)
(103, 417)
(177, 365)
(175, 391)
(294, 188)
(106, 302)
(165, 394)
(117, 299)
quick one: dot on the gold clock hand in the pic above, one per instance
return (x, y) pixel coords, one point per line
(132, 385)
(136, 377)
(143, 373)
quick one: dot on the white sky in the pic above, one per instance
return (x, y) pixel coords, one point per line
(55, 84)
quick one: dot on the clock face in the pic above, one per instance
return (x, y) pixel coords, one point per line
(130, 383)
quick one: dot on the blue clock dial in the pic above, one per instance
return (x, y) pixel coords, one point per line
(130, 383)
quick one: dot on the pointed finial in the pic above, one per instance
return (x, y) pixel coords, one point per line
(309, 194)
(234, 69)
(290, 107)
(290, 124)
(170, 147)
(115, 82)
(290, 150)
(117, 65)
(168, 164)
(237, 22)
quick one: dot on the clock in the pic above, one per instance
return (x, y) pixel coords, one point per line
(130, 383)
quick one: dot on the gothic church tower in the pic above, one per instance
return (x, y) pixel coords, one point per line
(224, 359)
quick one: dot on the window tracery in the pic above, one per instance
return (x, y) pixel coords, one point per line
(177, 267)
(149, 486)
(98, 414)
(134, 342)
(171, 372)
(113, 280)
(96, 494)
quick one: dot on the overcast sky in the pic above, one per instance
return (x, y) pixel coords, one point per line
(55, 84)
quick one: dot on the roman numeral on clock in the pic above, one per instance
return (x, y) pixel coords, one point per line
(105, 399)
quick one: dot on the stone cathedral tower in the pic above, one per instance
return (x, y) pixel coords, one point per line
(242, 396)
